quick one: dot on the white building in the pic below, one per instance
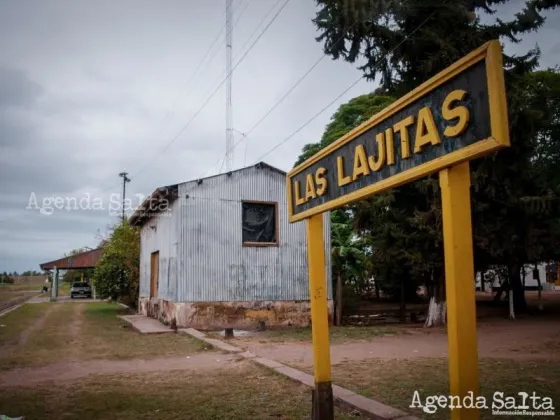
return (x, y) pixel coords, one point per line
(219, 252)
(531, 282)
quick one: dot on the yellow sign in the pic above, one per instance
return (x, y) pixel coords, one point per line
(457, 115)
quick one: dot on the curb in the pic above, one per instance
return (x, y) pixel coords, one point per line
(135, 327)
(343, 397)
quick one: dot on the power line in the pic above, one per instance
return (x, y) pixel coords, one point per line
(234, 25)
(257, 28)
(188, 84)
(245, 135)
(195, 73)
(217, 88)
(293, 87)
(345, 90)
(164, 120)
(229, 83)
(323, 109)
(311, 119)
(250, 37)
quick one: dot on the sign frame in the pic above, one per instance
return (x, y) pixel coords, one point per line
(498, 139)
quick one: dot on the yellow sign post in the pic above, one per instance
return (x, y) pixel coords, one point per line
(458, 115)
(459, 275)
(322, 395)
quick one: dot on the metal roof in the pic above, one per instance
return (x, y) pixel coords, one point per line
(149, 205)
(88, 259)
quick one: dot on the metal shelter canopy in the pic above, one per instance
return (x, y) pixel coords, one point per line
(88, 259)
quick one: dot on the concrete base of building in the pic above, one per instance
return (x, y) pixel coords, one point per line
(240, 315)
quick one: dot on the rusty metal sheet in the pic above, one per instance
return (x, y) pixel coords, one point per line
(88, 259)
(201, 243)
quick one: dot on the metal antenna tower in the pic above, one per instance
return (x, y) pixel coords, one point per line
(229, 114)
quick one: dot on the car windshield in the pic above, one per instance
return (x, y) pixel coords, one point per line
(80, 285)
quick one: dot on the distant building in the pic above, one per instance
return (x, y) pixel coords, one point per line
(548, 273)
(219, 252)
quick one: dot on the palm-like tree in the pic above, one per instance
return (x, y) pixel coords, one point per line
(347, 252)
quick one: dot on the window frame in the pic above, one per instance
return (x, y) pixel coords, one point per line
(276, 225)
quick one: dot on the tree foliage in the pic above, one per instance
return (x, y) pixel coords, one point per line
(72, 276)
(6, 278)
(408, 41)
(348, 259)
(32, 273)
(347, 117)
(514, 192)
(117, 274)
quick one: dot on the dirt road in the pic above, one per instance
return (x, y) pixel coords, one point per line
(537, 339)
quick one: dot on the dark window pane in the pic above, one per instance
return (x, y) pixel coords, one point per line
(259, 222)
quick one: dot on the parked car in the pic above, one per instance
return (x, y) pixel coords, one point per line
(80, 290)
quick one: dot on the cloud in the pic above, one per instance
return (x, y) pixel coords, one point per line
(88, 90)
(16, 89)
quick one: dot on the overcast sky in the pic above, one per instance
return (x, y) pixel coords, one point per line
(90, 89)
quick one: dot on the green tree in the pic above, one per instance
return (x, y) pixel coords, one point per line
(407, 42)
(347, 117)
(5, 278)
(72, 276)
(387, 229)
(437, 33)
(516, 203)
(347, 253)
(542, 98)
(117, 274)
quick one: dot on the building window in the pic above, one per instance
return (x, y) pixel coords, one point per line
(260, 223)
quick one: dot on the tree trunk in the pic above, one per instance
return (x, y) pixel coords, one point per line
(338, 314)
(482, 282)
(519, 303)
(503, 287)
(539, 285)
(511, 306)
(377, 295)
(403, 302)
(437, 308)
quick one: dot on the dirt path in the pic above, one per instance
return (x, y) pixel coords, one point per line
(76, 341)
(531, 340)
(10, 346)
(35, 326)
(68, 371)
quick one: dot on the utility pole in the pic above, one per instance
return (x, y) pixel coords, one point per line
(229, 114)
(125, 180)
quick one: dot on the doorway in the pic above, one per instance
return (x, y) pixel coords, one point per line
(154, 274)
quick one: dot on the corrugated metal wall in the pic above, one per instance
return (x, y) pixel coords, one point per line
(161, 234)
(217, 266)
(212, 264)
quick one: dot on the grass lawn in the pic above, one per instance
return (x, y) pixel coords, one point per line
(5, 296)
(33, 287)
(16, 321)
(243, 392)
(12, 291)
(393, 382)
(337, 334)
(112, 338)
(64, 289)
(37, 334)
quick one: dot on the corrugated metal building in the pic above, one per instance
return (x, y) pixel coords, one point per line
(220, 251)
